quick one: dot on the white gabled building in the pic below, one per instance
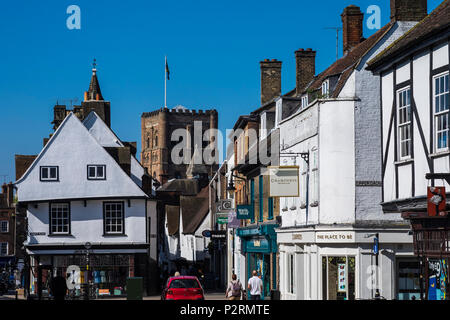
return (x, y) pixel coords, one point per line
(327, 233)
(415, 107)
(85, 186)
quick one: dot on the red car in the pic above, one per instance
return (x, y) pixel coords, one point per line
(183, 288)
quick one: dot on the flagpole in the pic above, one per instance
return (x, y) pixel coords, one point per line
(165, 83)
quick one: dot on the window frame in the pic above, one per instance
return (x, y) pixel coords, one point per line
(48, 179)
(96, 166)
(50, 220)
(326, 88)
(113, 233)
(304, 101)
(7, 226)
(408, 124)
(438, 114)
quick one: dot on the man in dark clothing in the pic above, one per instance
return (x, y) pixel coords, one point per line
(58, 286)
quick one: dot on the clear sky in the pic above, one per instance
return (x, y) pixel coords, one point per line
(213, 49)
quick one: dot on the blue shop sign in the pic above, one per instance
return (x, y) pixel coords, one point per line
(245, 212)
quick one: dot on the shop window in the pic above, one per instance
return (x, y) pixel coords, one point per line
(338, 278)
(408, 280)
(437, 279)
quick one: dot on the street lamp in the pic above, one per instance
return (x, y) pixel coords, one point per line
(376, 250)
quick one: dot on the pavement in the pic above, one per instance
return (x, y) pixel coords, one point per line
(208, 296)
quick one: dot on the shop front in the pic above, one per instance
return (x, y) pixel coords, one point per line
(259, 245)
(342, 264)
(102, 274)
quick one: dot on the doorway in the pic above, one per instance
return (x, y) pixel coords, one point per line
(338, 278)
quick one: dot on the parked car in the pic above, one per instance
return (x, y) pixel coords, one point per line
(183, 288)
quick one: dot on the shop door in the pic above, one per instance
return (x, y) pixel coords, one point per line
(338, 278)
(43, 283)
(408, 281)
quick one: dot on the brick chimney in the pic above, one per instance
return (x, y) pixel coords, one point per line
(306, 68)
(10, 194)
(408, 10)
(270, 79)
(352, 20)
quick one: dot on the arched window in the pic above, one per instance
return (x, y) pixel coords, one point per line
(156, 141)
(148, 142)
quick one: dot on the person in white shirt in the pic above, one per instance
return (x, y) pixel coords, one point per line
(255, 285)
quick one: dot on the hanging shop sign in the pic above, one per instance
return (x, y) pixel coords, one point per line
(233, 221)
(206, 233)
(283, 181)
(245, 212)
(436, 201)
(222, 217)
(342, 277)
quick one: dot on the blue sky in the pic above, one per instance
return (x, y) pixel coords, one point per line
(213, 48)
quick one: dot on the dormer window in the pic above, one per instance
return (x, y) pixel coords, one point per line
(304, 101)
(325, 89)
(96, 172)
(49, 173)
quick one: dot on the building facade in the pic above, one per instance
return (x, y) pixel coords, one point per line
(326, 240)
(414, 87)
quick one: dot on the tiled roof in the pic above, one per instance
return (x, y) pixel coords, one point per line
(436, 21)
(173, 219)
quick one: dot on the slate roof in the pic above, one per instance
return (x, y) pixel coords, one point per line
(435, 22)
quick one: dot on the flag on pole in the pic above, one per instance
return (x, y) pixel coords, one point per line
(167, 70)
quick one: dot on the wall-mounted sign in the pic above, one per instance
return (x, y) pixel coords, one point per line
(342, 277)
(335, 236)
(218, 235)
(206, 233)
(283, 181)
(37, 233)
(245, 212)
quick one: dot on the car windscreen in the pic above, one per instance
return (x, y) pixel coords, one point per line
(184, 283)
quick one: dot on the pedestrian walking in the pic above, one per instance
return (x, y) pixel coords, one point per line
(255, 285)
(234, 289)
(177, 274)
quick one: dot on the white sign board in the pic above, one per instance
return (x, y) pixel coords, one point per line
(283, 181)
(335, 236)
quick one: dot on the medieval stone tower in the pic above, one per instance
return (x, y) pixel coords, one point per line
(156, 145)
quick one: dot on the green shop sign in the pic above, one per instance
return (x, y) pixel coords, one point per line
(245, 212)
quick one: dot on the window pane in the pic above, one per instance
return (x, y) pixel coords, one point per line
(92, 172)
(100, 172)
(44, 173)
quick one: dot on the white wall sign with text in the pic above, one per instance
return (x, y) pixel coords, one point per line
(283, 181)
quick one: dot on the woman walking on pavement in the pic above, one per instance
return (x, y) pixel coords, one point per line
(234, 289)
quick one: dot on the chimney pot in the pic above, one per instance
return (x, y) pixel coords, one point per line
(352, 29)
